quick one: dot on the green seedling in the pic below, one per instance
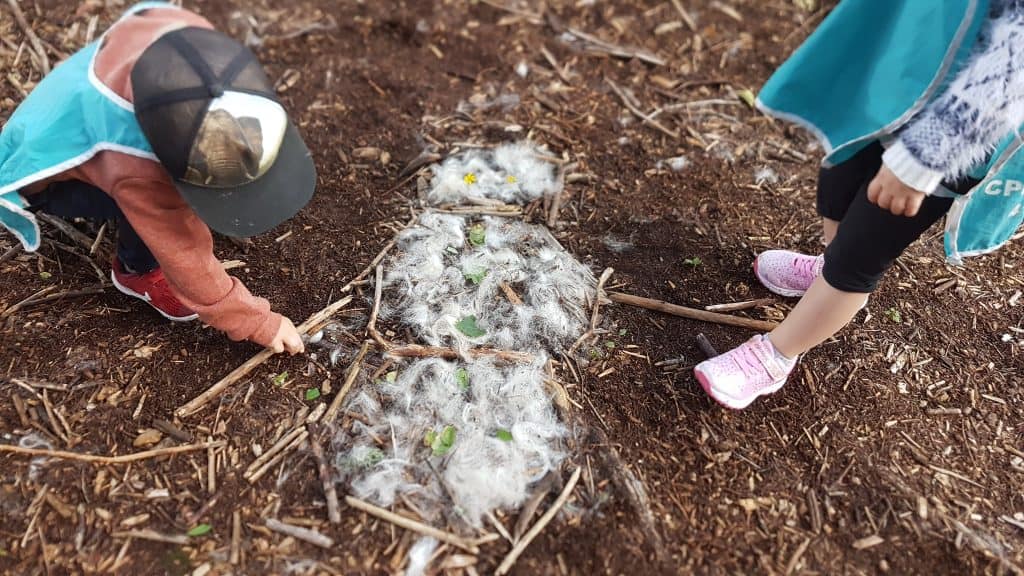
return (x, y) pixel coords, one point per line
(312, 394)
(468, 327)
(441, 443)
(503, 435)
(894, 315)
(200, 530)
(609, 344)
(462, 377)
(281, 378)
(373, 457)
(747, 96)
(475, 277)
(45, 275)
(477, 235)
(695, 261)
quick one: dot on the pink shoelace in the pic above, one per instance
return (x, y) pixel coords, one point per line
(805, 268)
(749, 363)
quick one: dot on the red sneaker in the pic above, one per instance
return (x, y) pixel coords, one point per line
(153, 289)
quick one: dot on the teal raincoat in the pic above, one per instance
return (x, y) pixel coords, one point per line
(868, 69)
(67, 119)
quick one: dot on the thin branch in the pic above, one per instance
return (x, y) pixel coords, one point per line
(125, 459)
(546, 519)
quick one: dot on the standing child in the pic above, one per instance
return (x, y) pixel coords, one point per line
(918, 106)
(170, 129)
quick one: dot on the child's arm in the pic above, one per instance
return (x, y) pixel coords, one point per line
(183, 246)
(962, 127)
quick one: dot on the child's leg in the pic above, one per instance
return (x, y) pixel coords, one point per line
(76, 199)
(866, 244)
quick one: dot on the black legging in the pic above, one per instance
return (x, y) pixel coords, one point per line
(76, 199)
(869, 238)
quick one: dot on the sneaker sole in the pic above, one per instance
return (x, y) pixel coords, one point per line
(784, 292)
(728, 401)
(145, 298)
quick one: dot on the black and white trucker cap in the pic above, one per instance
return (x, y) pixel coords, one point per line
(214, 122)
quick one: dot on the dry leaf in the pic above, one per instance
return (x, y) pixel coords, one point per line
(147, 438)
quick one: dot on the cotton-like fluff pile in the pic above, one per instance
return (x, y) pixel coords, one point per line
(459, 439)
(511, 173)
(441, 279)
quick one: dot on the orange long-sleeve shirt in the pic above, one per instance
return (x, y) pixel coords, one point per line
(144, 191)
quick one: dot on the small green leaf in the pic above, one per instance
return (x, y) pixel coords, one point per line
(894, 315)
(747, 96)
(444, 441)
(594, 353)
(468, 327)
(281, 378)
(200, 530)
(609, 344)
(477, 235)
(451, 250)
(503, 435)
(390, 377)
(45, 275)
(695, 261)
(429, 438)
(476, 277)
(312, 394)
(462, 376)
(623, 332)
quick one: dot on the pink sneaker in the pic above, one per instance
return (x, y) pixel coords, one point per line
(787, 273)
(738, 377)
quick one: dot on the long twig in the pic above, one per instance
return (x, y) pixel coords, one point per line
(350, 379)
(255, 477)
(324, 470)
(278, 446)
(27, 301)
(647, 119)
(152, 536)
(546, 519)
(305, 534)
(417, 351)
(125, 459)
(44, 61)
(595, 313)
(199, 402)
(616, 50)
(737, 306)
(410, 524)
(692, 313)
(371, 326)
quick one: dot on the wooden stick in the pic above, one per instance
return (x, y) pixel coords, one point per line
(278, 446)
(737, 306)
(692, 313)
(687, 18)
(125, 459)
(617, 51)
(410, 524)
(95, 290)
(350, 379)
(44, 61)
(371, 326)
(236, 538)
(330, 492)
(639, 113)
(417, 351)
(305, 534)
(10, 253)
(594, 314)
(152, 536)
(510, 560)
(280, 456)
(27, 301)
(199, 402)
(511, 294)
(99, 238)
(68, 230)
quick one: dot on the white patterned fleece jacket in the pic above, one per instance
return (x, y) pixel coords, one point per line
(983, 103)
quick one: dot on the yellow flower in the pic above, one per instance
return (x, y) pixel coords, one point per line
(511, 179)
(469, 178)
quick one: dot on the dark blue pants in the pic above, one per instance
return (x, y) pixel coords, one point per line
(76, 199)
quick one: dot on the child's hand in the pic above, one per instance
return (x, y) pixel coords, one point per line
(287, 338)
(889, 193)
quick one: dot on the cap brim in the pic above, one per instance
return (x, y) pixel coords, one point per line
(260, 205)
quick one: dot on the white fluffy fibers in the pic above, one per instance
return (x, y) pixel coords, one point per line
(511, 173)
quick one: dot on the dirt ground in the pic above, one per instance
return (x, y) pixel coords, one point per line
(894, 448)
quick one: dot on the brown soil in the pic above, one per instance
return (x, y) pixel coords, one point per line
(927, 458)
